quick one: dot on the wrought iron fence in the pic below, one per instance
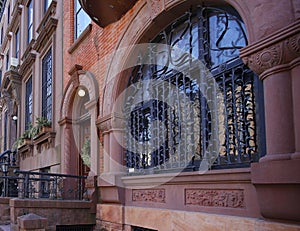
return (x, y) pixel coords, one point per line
(37, 185)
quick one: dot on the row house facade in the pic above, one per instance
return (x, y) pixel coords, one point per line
(181, 114)
(31, 81)
(183, 142)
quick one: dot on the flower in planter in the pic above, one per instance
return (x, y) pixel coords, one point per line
(18, 143)
(41, 123)
(29, 133)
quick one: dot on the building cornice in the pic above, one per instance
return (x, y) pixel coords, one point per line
(45, 34)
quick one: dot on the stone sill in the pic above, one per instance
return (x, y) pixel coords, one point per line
(79, 40)
(62, 204)
(44, 138)
(239, 175)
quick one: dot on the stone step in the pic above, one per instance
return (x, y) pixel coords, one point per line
(4, 227)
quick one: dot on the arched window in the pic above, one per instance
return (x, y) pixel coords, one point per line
(179, 113)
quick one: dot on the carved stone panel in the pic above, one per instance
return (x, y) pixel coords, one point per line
(233, 198)
(277, 49)
(149, 195)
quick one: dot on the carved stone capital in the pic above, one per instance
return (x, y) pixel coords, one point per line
(280, 48)
(111, 122)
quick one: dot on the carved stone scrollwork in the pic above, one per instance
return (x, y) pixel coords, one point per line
(278, 49)
(113, 121)
(149, 195)
(215, 198)
(293, 45)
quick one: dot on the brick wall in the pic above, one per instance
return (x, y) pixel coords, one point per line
(91, 51)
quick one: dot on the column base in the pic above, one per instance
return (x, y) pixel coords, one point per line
(111, 190)
(278, 188)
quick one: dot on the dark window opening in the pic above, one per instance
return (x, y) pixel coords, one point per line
(17, 43)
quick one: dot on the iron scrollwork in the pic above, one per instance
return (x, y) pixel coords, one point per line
(170, 119)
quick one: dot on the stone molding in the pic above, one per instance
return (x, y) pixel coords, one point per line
(278, 49)
(229, 198)
(11, 87)
(45, 34)
(79, 78)
(149, 195)
(51, 11)
(113, 121)
(155, 7)
(27, 63)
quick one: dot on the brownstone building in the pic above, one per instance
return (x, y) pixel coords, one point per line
(182, 114)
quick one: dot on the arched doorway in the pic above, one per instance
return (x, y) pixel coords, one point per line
(78, 118)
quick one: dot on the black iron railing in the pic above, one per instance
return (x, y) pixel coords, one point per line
(8, 158)
(37, 185)
(7, 161)
(50, 185)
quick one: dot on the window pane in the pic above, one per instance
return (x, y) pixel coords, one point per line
(47, 86)
(30, 21)
(7, 60)
(227, 36)
(28, 103)
(82, 21)
(47, 4)
(17, 43)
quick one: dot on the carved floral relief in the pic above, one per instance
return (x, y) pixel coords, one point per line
(149, 195)
(215, 197)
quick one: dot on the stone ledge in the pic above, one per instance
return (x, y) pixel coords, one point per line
(32, 221)
(60, 204)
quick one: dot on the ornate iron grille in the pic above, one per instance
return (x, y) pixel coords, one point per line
(47, 86)
(177, 117)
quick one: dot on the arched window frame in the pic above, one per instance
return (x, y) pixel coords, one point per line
(137, 163)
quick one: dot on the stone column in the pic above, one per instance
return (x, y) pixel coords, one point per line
(109, 181)
(276, 177)
(68, 165)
